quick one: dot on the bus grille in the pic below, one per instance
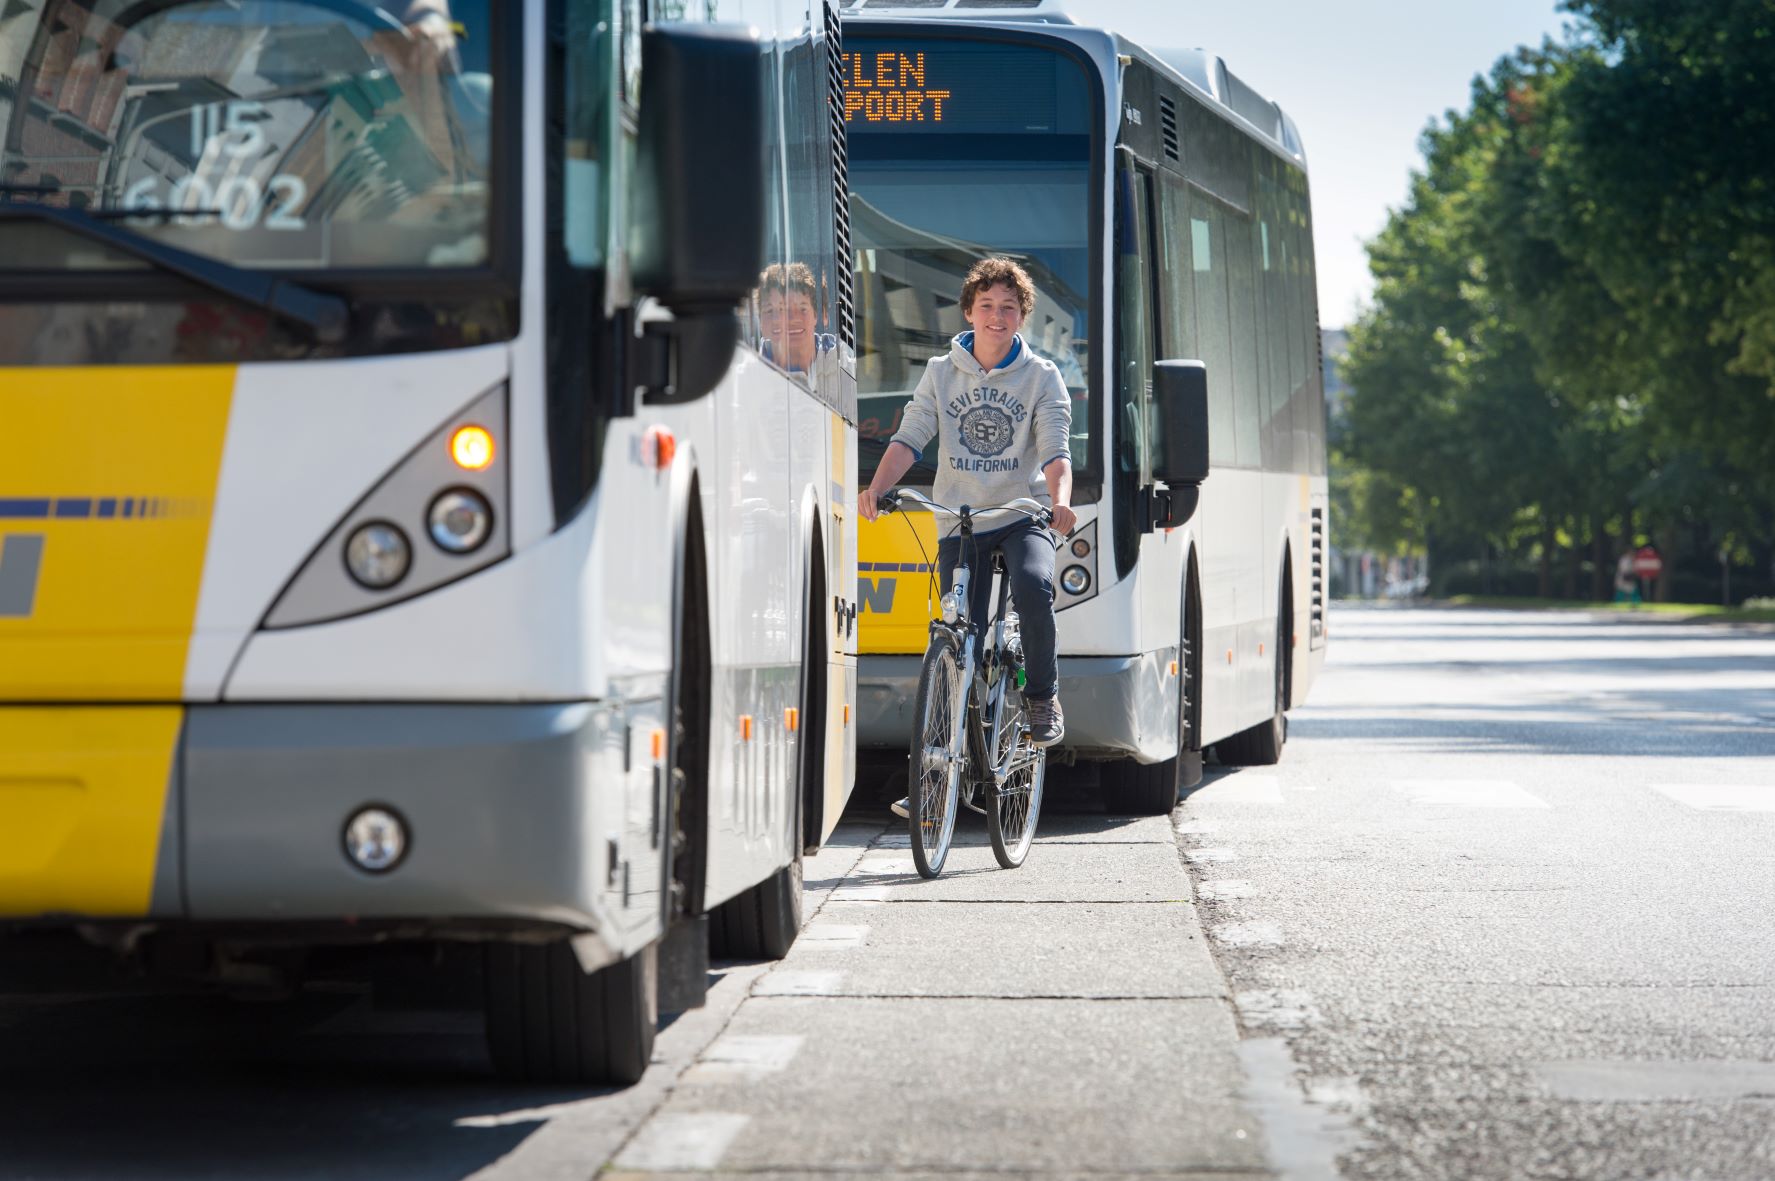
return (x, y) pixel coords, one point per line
(847, 312)
(1316, 622)
(1168, 125)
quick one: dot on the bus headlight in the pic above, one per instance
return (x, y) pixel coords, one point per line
(373, 556)
(375, 839)
(1075, 580)
(378, 555)
(460, 520)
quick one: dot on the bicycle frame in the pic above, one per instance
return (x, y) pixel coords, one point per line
(955, 624)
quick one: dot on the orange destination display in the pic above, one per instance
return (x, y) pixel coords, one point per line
(962, 87)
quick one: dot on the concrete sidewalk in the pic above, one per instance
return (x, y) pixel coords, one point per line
(1062, 1019)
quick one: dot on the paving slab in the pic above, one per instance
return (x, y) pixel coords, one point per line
(1098, 949)
(1053, 872)
(1065, 828)
(1036, 1086)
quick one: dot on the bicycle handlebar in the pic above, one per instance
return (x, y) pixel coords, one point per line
(1038, 512)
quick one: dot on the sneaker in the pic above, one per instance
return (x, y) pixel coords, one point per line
(902, 807)
(1047, 724)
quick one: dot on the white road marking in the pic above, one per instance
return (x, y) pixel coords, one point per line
(1721, 797)
(1627, 1081)
(1248, 934)
(831, 936)
(1467, 793)
(858, 894)
(1225, 888)
(1240, 789)
(677, 1143)
(1195, 826)
(1277, 1008)
(738, 1056)
(782, 983)
(885, 866)
(1210, 855)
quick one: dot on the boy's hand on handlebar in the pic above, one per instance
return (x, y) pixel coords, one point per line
(1065, 520)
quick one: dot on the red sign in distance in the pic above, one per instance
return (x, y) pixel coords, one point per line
(1647, 563)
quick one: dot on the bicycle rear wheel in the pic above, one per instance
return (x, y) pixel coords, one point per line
(1013, 809)
(934, 776)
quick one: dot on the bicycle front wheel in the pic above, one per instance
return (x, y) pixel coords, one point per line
(934, 776)
(1013, 808)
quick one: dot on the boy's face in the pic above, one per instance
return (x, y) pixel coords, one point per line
(995, 316)
(787, 321)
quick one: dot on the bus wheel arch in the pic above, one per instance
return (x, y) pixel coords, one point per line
(762, 921)
(1261, 745)
(1153, 789)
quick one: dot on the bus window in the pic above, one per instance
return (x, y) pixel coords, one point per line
(1177, 273)
(1134, 348)
(949, 164)
(1208, 257)
(267, 134)
(1248, 395)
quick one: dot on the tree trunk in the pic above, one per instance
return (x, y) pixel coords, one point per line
(1599, 562)
(1571, 568)
(1544, 584)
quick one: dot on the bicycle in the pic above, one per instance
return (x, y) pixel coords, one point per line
(972, 732)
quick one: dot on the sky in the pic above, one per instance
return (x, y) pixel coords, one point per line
(1361, 79)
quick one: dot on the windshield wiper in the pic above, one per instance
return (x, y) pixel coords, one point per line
(325, 316)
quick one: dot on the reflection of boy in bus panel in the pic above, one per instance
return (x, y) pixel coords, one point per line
(1001, 418)
(788, 319)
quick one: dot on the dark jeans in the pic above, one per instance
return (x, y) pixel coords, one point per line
(1029, 560)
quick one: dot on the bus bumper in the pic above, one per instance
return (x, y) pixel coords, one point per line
(520, 819)
(1116, 706)
(512, 812)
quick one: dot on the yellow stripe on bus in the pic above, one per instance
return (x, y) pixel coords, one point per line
(83, 793)
(105, 504)
(896, 594)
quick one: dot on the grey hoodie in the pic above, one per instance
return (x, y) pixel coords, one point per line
(996, 431)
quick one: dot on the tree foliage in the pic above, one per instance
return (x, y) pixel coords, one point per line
(1572, 342)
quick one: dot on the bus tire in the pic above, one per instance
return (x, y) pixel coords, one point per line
(549, 1021)
(1261, 745)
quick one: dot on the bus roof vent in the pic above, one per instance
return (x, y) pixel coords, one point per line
(1045, 11)
(1168, 125)
(1256, 110)
(1199, 67)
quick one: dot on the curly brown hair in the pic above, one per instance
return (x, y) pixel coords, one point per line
(998, 269)
(795, 276)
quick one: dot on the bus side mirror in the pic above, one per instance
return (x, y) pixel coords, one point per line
(697, 237)
(698, 241)
(1180, 395)
(1180, 459)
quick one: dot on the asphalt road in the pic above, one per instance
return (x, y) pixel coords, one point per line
(1504, 909)
(1501, 911)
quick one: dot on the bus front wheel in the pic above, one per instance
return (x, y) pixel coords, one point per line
(550, 1021)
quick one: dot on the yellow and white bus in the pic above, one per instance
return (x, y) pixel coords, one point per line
(424, 519)
(1160, 205)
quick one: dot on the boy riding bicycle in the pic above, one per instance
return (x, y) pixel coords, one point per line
(1001, 417)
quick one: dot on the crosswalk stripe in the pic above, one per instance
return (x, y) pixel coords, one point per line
(1239, 789)
(1721, 797)
(1467, 793)
(677, 1143)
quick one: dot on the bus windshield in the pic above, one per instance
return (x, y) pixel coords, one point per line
(961, 149)
(286, 134)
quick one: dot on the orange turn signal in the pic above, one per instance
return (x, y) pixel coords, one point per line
(745, 727)
(791, 718)
(472, 448)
